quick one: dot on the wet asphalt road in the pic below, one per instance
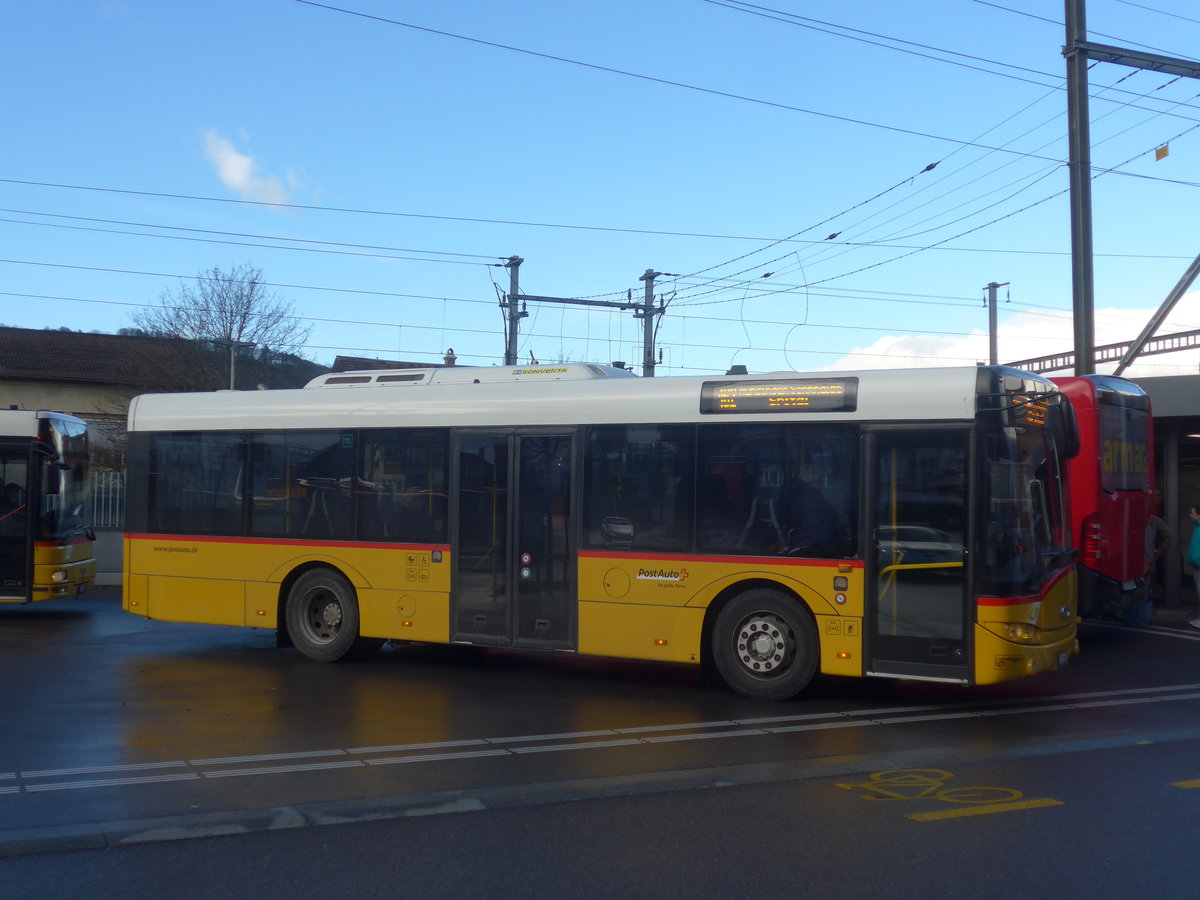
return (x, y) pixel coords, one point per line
(119, 733)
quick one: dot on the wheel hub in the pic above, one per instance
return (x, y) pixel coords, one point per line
(763, 643)
(331, 615)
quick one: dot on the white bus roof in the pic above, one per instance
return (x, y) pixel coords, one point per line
(542, 396)
(467, 375)
(493, 398)
(23, 422)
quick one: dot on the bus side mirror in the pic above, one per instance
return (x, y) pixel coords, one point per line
(1064, 428)
(52, 482)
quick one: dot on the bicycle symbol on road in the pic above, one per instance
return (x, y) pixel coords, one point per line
(928, 784)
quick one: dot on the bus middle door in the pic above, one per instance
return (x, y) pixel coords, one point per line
(514, 572)
(16, 537)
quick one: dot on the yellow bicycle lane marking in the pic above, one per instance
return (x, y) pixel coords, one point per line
(929, 784)
(965, 811)
(1194, 783)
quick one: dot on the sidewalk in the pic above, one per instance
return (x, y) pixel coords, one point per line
(1174, 615)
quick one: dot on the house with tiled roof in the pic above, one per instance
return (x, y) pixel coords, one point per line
(93, 375)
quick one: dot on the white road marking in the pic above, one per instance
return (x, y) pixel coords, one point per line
(34, 781)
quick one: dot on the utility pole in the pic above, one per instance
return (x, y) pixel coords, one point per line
(1079, 165)
(513, 323)
(647, 314)
(993, 341)
(234, 346)
(1078, 51)
(645, 310)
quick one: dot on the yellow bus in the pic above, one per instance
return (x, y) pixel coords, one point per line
(45, 538)
(906, 523)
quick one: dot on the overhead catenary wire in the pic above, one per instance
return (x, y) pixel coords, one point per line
(658, 232)
(664, 81)
(752, 290)
(857, 34)
(828, 251)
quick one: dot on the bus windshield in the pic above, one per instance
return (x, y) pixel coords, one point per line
(1124, 446)
(1025, 508)
(64, 510)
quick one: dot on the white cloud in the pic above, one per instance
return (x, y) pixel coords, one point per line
(1031, 334)
(239, 172)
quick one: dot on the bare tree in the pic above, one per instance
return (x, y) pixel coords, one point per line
(232, 312)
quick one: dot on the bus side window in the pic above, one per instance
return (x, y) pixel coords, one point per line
(195, 483)
(401, 490)
(639, 487)
(778, 488)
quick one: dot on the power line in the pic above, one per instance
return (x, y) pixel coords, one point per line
(176, 237)
(846, 247)
(297, 287)
(960, 234)
(853, 34)
(1161, 12)
(483, 221)
(1062, 24)
(664, 81)
(266, 237)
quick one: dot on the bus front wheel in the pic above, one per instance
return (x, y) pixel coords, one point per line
(322, 618)
(765, 645)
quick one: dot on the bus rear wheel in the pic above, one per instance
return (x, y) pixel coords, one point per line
(322, 618)
(765, 645)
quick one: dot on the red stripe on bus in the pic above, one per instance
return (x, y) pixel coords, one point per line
(688, 558)
(70, 542)
(280, 542)
(1028, 598)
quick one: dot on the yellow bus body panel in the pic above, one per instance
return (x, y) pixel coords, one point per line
(647, 607)
(403, 591)
(633, 631)
(634, 607)
(74, 560)
(1049, 624)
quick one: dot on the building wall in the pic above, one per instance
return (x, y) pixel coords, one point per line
(85, 401)
(1175, 401)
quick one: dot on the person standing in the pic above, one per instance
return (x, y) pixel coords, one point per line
(1193, 556)
(1160, 540)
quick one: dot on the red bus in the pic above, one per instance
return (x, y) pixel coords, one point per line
(1112, 492)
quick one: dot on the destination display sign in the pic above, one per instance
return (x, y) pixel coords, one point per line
(1028, 411)
(782, 395)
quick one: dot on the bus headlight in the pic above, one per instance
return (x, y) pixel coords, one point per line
(1024, 634)
(58, 575)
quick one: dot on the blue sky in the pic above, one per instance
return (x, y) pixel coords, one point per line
(393, 167)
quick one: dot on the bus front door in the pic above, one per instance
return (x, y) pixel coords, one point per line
(16, 547)
(916, 614)
(514, 569)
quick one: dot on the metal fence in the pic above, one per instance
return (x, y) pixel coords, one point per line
(108, 499)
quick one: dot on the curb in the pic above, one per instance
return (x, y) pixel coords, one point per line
(106, 835)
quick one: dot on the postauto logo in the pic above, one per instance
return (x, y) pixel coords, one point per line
(676, 575)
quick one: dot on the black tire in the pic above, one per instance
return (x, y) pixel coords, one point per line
(764, 645)
(322, 618)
